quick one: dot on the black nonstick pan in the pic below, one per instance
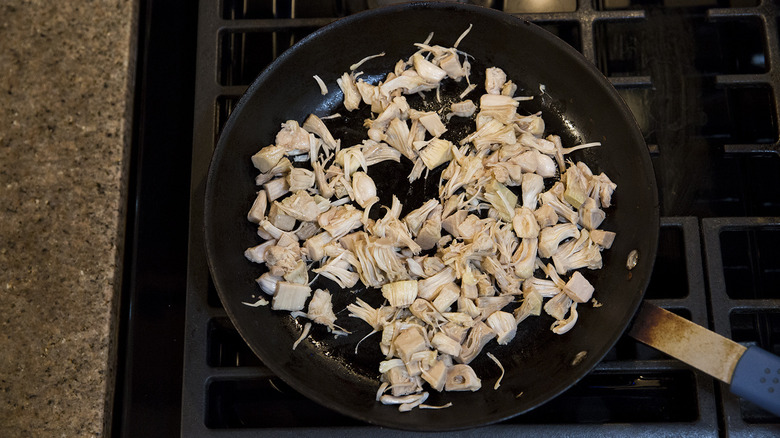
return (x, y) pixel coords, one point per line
(577, 103)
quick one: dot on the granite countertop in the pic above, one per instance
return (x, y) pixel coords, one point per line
(65, 117)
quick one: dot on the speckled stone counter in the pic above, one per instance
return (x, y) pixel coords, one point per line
(66, 78)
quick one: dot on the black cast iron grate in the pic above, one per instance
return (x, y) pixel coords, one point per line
(699, 77)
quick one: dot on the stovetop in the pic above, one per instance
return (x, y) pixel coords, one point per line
(701, 78)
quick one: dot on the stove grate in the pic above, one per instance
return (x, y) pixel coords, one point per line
(697, 98)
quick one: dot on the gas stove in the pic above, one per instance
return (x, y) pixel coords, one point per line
(701, 79)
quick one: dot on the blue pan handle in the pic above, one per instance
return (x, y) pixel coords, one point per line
(757, 378)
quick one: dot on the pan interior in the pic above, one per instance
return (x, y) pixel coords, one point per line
(577, 103)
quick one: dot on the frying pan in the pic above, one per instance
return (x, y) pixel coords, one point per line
(577, 103)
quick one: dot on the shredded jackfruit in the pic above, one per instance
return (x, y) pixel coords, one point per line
(501, 367)
(305, 333)
(258, 303)
(323, 88)
(465, 267)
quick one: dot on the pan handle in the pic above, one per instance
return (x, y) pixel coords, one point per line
(753, 373)
(757, 378)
